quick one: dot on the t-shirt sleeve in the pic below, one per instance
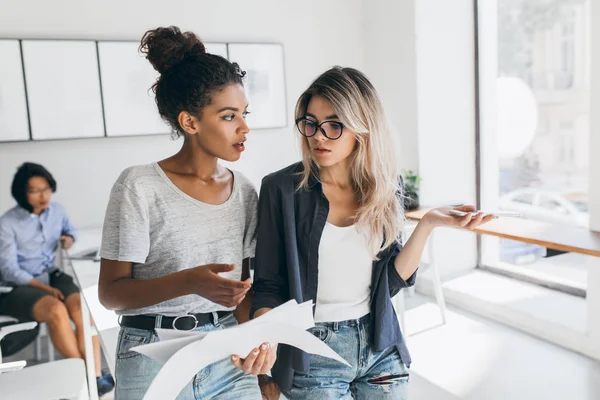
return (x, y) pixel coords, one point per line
(251, 220)
(126, 230)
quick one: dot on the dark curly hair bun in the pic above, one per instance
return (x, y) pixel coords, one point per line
(189, 76)
(167, 47)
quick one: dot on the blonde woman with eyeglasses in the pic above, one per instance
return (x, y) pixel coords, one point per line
(329, 231)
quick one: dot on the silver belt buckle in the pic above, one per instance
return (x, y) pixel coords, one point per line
(185, 316)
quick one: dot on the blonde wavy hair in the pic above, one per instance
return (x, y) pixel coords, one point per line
(373, 169)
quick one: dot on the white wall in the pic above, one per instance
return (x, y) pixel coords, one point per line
(446, 119)
(419, 55)
(490, 163)
(593, 294)
(594, 188)
(391, 65)
(316, 35)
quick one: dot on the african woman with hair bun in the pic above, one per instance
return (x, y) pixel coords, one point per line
(178, 234)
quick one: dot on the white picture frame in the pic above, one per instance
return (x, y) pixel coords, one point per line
(219, 49)
(14, 122)
(129, 103)
(63, 89)
(264, 83)
(127, 77)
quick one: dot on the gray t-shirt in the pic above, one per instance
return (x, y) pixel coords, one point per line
(161, 230)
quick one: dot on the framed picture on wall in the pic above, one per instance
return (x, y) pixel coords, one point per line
(14, 125)
(63, 89)
(265, 82)
(219, 49)
(127, 78)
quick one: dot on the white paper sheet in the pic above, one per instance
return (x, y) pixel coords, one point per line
(185, 353)
(168, 334)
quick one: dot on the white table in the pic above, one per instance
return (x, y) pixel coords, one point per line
(86, 273)
(54, 380)
(12, 366)
(106, 321)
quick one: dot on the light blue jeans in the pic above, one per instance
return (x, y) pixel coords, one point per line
(221, 380)
(373, 375)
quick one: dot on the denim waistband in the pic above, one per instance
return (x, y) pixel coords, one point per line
(364, 320)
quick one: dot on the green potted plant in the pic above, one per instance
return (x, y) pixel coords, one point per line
(411, 189)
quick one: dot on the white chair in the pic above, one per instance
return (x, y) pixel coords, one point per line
(17, 365)
(64, 379)
(59, 261)
(13, 327)
(427, 262)
(43, 334)
(5, 330)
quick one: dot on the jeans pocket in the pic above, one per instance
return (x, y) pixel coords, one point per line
(132, 337)
(388, 369)
(389, 378)
(323, 333)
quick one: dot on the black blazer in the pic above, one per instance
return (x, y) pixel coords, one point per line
(290, 224)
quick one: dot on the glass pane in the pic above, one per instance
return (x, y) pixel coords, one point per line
(525, 199)
(543, 104)
(552, 205)
(536, 129)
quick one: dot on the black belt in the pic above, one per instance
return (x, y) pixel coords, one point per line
(182, 323)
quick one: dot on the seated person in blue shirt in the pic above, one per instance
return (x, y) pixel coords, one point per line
(30, 233)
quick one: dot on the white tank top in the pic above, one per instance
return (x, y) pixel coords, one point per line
(345, 269)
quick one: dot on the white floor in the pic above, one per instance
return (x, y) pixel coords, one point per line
(474, 358)
(532, 300)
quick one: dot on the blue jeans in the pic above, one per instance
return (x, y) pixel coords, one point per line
(373, 375)
(221, 380)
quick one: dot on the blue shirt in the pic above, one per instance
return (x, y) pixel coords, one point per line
(28, 242)
(290, 224)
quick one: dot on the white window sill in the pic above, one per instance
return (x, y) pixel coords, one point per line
(548, 314)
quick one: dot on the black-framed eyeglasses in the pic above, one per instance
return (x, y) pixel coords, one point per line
(331, 129)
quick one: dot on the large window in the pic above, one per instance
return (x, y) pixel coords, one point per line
(535, 108)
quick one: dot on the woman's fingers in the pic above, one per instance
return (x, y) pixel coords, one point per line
(258, 365)
(249, 361)
(488, 218)
(464, 221)
(475, 221)
(237, 361)
(271, 356)
(258, 362)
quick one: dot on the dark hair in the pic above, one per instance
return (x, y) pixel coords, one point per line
(21, 180)
(189, 76)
